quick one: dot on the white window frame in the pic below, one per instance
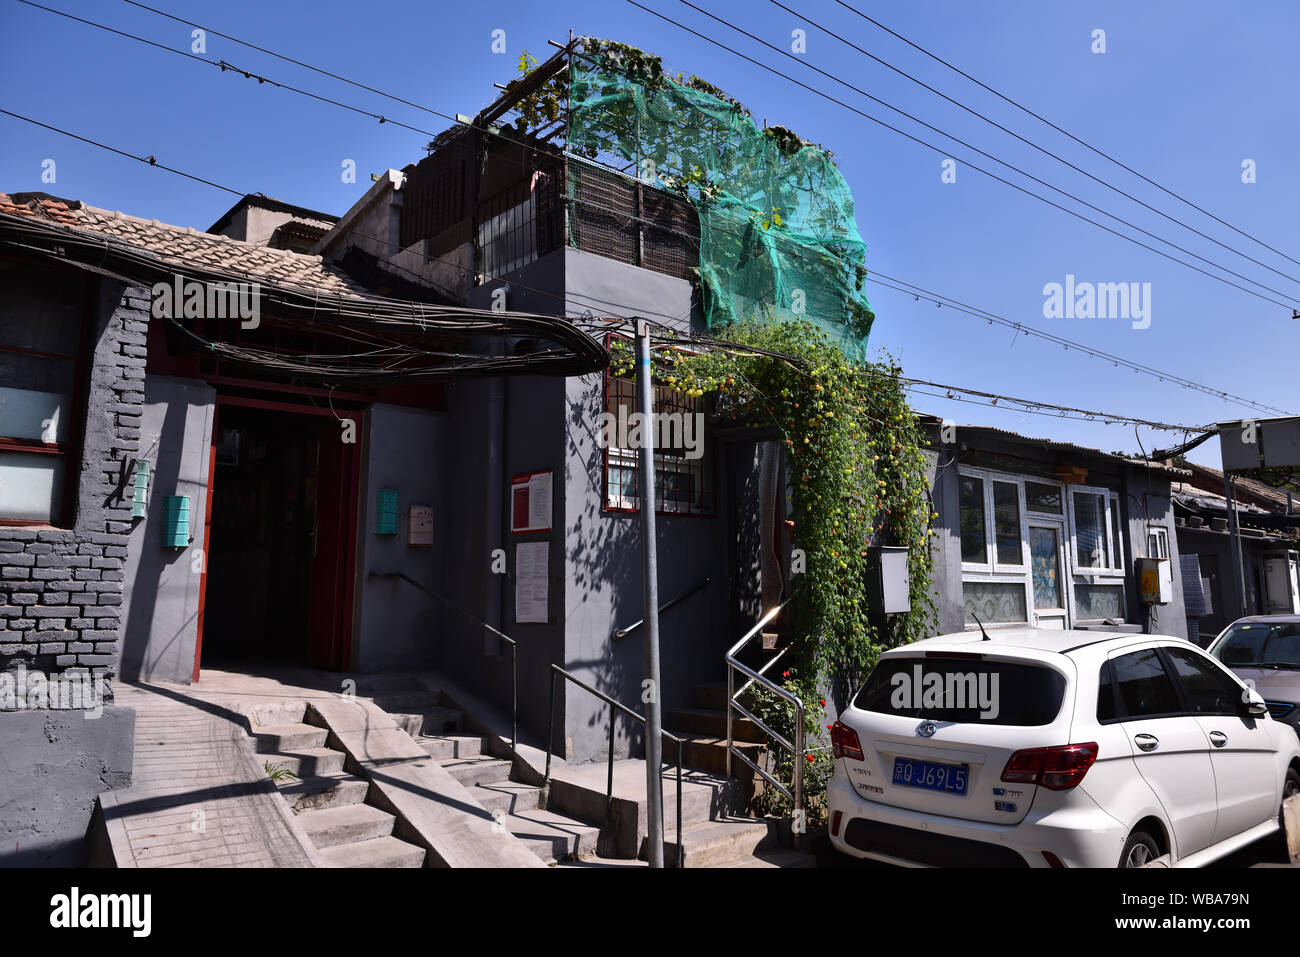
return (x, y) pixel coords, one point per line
(991, 570)
(1113, 566)
(1161, 534)
(992, 566)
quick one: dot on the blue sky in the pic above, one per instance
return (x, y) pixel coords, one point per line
(1185, 92)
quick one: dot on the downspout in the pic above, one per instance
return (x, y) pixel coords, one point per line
(495, 502)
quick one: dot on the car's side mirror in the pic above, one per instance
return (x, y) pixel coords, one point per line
(1253, 704)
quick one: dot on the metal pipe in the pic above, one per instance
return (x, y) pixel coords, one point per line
(681, 848)
(609, 778)
(650, 601)
(550, 738)
(624, 632)
(731, 682)
(1234, 530)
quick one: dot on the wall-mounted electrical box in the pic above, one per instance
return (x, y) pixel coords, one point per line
(888, 582)
(176, 522)
(419, 525)
(1155, 580)
(140, 497)
(386, 512)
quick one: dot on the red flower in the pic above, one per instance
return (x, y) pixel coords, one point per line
(830, 727)
(811, 759)
(823, 701)
(785, 674)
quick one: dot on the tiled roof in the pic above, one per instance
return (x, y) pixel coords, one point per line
(183, 247)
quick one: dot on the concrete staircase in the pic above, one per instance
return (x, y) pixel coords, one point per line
(330, 802)
(468, 757)
(576, 828)
(705, 729)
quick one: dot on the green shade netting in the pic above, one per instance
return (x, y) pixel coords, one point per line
(777, 230)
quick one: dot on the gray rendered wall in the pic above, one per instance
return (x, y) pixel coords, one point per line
(60, 604)
(394, 624)
(161, 597)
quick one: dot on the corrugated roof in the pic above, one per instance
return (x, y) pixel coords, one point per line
(1072, 448)
(182, 247)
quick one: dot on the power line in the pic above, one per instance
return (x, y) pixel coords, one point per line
(1065, 133)
(1119, 219)
(920, 292)
(1028, 330)
(1136, 366)
(1028, 142)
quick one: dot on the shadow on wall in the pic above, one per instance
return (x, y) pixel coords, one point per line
(161, 623)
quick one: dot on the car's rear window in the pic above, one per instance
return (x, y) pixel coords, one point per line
(964, 690)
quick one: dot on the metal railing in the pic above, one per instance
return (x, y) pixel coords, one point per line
(798, 748)
(514, 649)
(624, 632)
(558, 672)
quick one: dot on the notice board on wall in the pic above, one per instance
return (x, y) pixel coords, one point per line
(532, 582)
(531, 502)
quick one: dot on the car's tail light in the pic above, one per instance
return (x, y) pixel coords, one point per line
(1057, 769)
(1053, 860)
(845, 743)
(836, 818)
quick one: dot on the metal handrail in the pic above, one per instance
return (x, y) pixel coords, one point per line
(798, 748)
(514, 650)
(624, 632)
(558, 672)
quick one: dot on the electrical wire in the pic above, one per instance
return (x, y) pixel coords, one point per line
(1291, 304)
(1031, 143)
(1059, 340)
(1066, 133)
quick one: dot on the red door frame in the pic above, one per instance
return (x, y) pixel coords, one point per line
(341, 652)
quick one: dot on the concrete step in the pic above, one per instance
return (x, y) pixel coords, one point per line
(371, 685)
(432, 719)
(777, 857)
(443, 746)
(706, 721)
(553, 836)
(289, 737)
(305, 762)
(718, 843)
(322, 791)
(710, 695)
(332, 826)
(480, 769)
(508, 797)
(376, 852)
(709, 753)
(412, 702)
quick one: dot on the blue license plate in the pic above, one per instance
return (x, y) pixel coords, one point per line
(948, 778)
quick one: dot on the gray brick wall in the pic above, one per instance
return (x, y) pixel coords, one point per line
(61, 588)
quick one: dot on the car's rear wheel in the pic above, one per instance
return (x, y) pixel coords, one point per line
(1139, 850)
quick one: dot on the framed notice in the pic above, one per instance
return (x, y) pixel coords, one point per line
(532, 582)
(530, 502)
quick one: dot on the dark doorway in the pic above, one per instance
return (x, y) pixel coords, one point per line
(281, 536)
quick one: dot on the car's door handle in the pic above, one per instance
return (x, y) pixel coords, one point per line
(1218, 739)
(1146, 742)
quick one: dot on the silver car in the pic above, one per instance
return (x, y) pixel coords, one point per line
(1264, 651)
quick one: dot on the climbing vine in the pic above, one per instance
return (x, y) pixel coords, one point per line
(858, 477)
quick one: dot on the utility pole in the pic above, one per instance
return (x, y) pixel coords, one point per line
(650, 600)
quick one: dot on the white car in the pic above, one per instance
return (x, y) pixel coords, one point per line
(1048, 748)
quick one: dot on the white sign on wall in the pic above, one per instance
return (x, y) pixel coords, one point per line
(532, 582)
